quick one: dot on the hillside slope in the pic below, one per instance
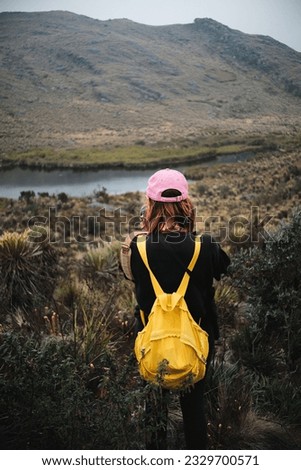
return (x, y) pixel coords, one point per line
(69, 80)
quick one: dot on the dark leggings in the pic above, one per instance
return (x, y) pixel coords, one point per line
(194, 420)
(193, 411)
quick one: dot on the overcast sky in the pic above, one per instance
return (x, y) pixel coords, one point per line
(280, 19)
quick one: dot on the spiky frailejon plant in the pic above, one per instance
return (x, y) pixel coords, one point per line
(99, 266)
(93, 320)
(28, 272)
(84, 316)
(68, 292)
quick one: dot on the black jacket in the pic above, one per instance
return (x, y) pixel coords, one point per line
(168, 264)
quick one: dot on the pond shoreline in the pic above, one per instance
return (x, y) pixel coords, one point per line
(8, 164)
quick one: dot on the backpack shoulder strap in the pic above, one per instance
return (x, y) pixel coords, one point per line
(141, 245)
(184, 283)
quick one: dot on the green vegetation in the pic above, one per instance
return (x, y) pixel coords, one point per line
(54, 400)
(269, 343)
(140, 155)
(121, 156)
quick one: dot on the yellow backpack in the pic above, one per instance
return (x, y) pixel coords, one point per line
(172, 348)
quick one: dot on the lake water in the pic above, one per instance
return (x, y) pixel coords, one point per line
(84, 183)
(73, 183)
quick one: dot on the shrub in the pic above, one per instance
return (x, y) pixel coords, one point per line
(27, 196)
(28, 273)
(51, 399)
(234, 422)
(43, 400)
(63, 197)
(269, 343)
(269, 281)
(281, 398)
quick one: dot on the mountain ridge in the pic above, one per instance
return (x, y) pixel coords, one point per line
(68, 80)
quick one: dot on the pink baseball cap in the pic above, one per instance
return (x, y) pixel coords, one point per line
(166, 179)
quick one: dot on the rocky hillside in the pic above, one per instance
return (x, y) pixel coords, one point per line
(68, 80)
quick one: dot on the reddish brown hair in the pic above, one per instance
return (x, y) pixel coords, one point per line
(161, 216)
